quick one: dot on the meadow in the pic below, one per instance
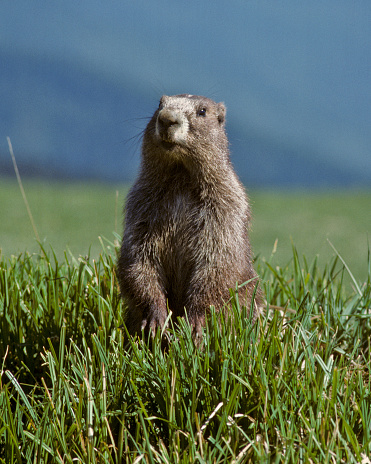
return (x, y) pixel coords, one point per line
(295, 387)
(72, 216)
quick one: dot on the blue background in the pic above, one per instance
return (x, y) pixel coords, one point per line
(79, 80)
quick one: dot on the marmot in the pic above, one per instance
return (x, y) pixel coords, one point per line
(186, 239)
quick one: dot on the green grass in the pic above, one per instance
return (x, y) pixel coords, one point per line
(311, 220)
(73, 388)
(74, 215)
(293, 388)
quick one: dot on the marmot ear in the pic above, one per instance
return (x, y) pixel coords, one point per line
(221, 110)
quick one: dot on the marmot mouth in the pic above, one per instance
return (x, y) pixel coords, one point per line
(167, 145)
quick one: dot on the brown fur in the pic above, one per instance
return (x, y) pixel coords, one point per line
(185, 241)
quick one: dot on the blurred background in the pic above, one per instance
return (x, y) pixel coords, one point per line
(79, 80)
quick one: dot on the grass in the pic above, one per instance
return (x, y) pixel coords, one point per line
(74, 388)
(293, 388)
(74, 215)
(67, 215)
(311, 220)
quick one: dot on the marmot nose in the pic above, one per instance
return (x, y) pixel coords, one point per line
(167, 118)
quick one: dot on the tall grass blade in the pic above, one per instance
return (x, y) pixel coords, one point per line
(22, 190)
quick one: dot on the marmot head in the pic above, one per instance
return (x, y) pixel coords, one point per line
(187, 127)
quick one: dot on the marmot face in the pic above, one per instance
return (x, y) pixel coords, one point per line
(184, 126)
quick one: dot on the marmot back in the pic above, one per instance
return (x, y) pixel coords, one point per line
(186, 234)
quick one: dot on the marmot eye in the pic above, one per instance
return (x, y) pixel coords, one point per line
(201, 112)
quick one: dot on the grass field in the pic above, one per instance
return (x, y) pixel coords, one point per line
(74, 215)
(295, 387)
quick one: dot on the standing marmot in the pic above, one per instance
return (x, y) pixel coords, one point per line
(185, 241)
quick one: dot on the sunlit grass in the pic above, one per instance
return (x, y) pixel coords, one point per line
(311, 220)
(67, 214)
(293, 388)
(75, 214)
